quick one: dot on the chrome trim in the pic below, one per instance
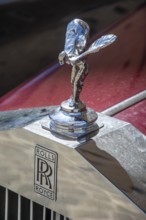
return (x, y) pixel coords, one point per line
(31, 210)
(6, 204)
(44, 213)
(19, 207)
(52, 215)
(81, 188)
(87, 178)
(125, 104)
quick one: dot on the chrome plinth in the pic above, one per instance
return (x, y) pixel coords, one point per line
(69, 122)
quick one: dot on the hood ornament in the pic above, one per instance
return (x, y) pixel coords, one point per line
(73, 119)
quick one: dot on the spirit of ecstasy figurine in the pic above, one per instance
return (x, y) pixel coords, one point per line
(72, 119)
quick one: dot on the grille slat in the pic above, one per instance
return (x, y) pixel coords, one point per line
(57, 216)
(19, 207)
(16, 207)
(6, 204)
(2, 202)
(31, 210)
(44, 213)
(52, 215)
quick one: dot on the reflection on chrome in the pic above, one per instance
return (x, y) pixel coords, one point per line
(91, 176)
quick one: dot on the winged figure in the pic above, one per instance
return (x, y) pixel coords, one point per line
(75, 53)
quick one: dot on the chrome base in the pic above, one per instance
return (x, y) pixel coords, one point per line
(69, 122)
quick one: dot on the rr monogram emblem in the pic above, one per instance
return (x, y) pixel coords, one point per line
(45, 172)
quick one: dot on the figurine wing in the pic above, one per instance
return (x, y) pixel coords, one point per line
(101, 43)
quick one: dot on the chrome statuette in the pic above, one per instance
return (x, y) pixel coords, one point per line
(73, 119)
